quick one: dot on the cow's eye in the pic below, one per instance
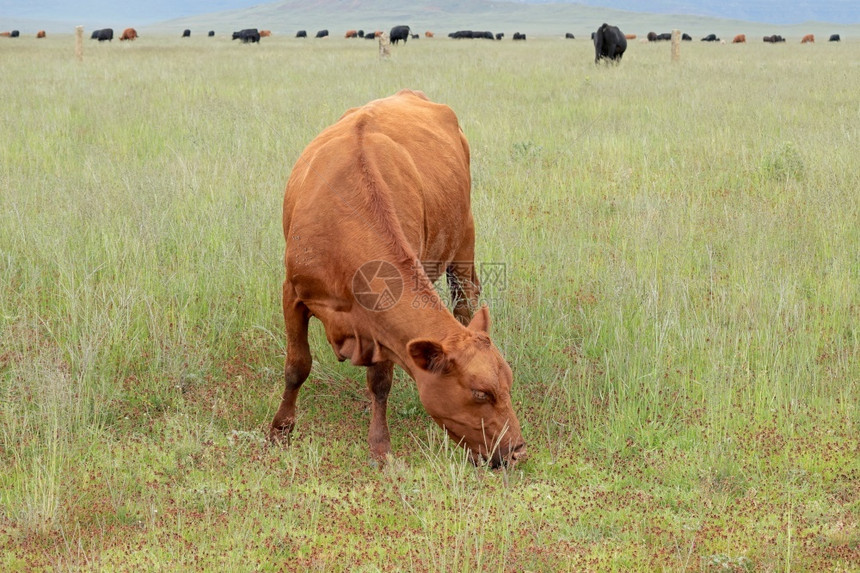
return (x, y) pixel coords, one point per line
(480, 396)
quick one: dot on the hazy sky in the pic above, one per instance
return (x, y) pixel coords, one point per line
(142, 11)
(149, 11)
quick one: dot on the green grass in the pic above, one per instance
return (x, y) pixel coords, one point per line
(680, 306)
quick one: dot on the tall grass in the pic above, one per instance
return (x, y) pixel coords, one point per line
(679, 302)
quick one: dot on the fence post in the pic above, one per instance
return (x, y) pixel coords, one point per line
(79, 43)
(384, 46)
(676, 45)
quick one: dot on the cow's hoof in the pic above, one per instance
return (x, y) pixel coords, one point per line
(281, 434)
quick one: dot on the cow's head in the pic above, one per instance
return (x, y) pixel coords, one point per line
(465, 385)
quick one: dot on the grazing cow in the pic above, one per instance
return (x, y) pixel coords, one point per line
(248, 35)
(686, 37)
(665, 36)
(460, 34)
(5, 34)
(776, 38)
(609, 43)
(500, 35)
(739, 39)
(370, 36)
(103, 35)
(40, 34)
(265, 33)
(128, 34)
(351, 34)
(808, 39)
(374, 195)
(711, 38)
(518, 36)
(630, 36)
(398, 33)
(15, 34)
(322, 34)
(415, 36)
(569, 36)
(186, 33)
(211, 33)
(302, 34)
(652, 37)
(428, 34)
(834, 38)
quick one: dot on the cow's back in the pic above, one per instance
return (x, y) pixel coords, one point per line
(389, 181)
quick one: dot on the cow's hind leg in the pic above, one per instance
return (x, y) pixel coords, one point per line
(297, 366)
(379, 378)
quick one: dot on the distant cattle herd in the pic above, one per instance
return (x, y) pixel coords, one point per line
(610, 43)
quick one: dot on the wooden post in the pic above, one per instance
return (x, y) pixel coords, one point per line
(384, 46)
(676, 45)
(79, 43)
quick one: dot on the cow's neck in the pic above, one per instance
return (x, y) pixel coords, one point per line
(383, 335)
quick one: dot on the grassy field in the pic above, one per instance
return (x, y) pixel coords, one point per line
(680, 304)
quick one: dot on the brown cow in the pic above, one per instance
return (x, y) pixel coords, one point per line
(351, 34)
(128, 34)
(740, 39)
(374, 195)
(40, 34)
(265, 33)
(6, 34)
(630, 36)
(808, 39)
(428, 34)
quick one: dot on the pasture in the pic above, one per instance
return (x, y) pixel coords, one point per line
(671, 253)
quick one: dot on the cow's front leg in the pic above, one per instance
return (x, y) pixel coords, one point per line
(379, 378)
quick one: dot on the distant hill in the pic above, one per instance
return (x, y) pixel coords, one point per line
(764, 11)
(535, 17)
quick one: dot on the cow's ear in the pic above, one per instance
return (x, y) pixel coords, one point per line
(481, 321)
(429, 356)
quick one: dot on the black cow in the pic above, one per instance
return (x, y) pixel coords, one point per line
(652, 37)
(500, 35)
(398, 33)
(15, 34)
(370, 36)
(568, 36)
(105, 34)
(609, 43)
(302, 34)
(460, 34)
(776, 38)
(710, 38)
(248, 35)
(484, 35)
(686, 37)
(186, 33)
(518, 36)
(665, 36)
(211, 33)
(835, 38)
(322, 34)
